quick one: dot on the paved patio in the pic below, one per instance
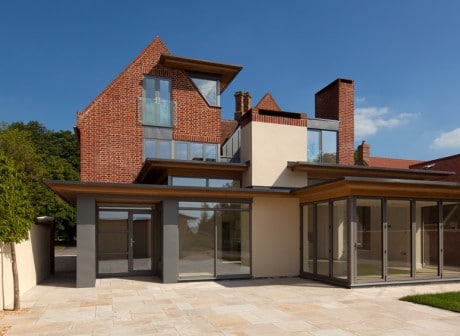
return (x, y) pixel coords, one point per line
(289, 306)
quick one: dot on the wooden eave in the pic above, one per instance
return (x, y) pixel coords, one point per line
(334, 171)
(156, 170)
(69, 190)
(374, 187)
(226, 72)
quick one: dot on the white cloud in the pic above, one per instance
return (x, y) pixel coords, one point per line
(449, 139)
(369, 120)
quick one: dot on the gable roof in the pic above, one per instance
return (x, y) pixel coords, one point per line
(146, 58)
(268, 103)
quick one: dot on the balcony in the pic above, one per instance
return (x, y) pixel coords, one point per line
(156, 112)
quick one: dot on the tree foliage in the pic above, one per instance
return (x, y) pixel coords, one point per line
(16, 211)
(44, 154)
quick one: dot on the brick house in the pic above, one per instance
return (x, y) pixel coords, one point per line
(169, 189)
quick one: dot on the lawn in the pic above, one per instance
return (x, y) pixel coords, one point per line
(449, 301)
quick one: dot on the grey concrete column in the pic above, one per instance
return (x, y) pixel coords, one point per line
(170, 241)
(86, 242)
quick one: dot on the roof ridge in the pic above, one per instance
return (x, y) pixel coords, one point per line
(267, 102)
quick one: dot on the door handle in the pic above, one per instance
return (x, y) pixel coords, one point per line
(132, 242)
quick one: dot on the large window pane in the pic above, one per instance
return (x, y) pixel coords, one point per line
(339, 239)
(112, 242)
(314, 143)
(164, 150)
(223, 183)
(210, 152)
(232, 243)
(180, 150)
(426, 239)
(399, 239)
(150, 149)
(329, 147)
(209, 89)
(196, 244)
(322, 246)
(451, 239)
(308, 248)
(142, 242)
(369, 261)
(196, 151)
(188, 181)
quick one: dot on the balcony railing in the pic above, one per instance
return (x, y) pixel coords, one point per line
(157, 112)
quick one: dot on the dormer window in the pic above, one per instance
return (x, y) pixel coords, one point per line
(209, 89)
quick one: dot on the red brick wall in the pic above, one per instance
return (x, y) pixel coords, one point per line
(274, 117)
(111, 136)
(336, 102)
(449, 163)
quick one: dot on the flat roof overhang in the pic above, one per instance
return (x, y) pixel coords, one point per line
(69, 190)
(155, 170)
(377, 187)
(334, 171)
(226, 72)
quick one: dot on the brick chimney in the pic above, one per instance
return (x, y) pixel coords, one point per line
(336, 102)
(243, 101)
(364, 153)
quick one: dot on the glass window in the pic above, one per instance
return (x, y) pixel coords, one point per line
(322, 246)
(188, 181)
(329, 147)
(339, 239)
(180, 150)
(308, 238)
(209, 89)
(398, 239)
(210, 152)
(369, 258)
(314, 143)
(156, 103)
(322, 146)
(164, 150)
(426, 239)
(451, 239)
(196, 151)
(223, 183)
(150, 149)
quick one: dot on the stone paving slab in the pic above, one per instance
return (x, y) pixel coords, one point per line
(287, 306)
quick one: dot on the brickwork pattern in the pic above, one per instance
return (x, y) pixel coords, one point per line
(111, 134)
(268, 103)
(336, 102)
(281, 118)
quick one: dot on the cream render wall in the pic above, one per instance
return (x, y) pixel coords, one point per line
(275, 237)
(269, 147)
(33, 264)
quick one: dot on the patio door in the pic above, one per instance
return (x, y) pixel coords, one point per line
(124, 240)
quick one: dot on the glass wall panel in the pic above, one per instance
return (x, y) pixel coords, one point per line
(339, 239)
(188, 181)
(210, 152)
(141, 242)
(232, 243)
(451, 239)
(180, 150)
(308, 248)
(223, 183)
(196, 151)
(426, 239)
(164, 149)
(322, 246)
(329, 147)
(314, 145)
(112, 242)
(196, 244)
(369, 261)
(398, 239)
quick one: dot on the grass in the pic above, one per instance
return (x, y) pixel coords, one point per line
(449, 301)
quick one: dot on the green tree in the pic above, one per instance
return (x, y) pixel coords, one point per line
(16, 213)
(46, 154)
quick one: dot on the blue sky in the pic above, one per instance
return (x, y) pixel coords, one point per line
(404, 57)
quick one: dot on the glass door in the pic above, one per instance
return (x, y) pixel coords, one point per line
(124, 240)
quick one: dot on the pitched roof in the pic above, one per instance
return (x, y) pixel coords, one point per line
(227, 129)
(390, 162)
(268, 103)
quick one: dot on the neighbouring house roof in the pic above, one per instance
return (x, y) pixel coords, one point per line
(332, 171)
(268, 103)
(390, 162)
(227, 72)
(135, 193)
(227, 129)
(448, 163)
(156, 170)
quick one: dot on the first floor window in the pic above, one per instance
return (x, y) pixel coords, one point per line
(322, 146)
